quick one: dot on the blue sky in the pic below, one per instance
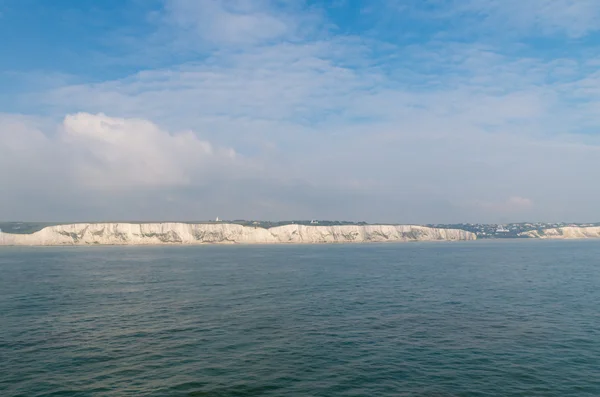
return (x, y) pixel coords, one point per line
(386, 111)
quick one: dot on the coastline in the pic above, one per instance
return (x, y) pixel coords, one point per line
(200, 234)
(217, 233)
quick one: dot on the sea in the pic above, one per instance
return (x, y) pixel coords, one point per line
(482, 318)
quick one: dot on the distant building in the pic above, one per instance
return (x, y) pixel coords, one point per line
(217, 220)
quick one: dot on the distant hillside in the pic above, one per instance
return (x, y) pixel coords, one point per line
(510, 230)
(24, 227)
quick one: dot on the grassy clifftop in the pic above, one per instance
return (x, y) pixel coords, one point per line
(24, 227)
(32, 227)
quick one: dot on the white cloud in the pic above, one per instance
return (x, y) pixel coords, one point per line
(239, 96)
(237, 23)
(102, 152)
(231, 22)
(499, 20)
(27, 156)
(574, 18)
(287, 126)
(484, 129)
(117, 152)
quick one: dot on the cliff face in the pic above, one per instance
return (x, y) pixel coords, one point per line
(182, 233)
(565, 233)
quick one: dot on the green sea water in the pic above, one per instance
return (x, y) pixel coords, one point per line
(485, 318)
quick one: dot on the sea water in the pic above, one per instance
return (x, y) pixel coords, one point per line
(484, 318)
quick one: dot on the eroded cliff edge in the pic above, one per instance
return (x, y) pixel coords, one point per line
(568, 232)
(183, 233)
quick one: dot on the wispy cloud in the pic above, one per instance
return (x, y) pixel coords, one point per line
(326, 125)
(237, 23)
(112, 152)
(503, 19)
(573, 18)
(234, 22)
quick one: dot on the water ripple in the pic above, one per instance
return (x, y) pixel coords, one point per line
(431, 320)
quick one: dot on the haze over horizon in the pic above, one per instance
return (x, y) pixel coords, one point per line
(481, 111)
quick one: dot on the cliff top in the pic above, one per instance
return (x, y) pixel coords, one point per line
(32, 227)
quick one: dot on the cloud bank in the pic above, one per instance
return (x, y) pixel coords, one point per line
(278, 111)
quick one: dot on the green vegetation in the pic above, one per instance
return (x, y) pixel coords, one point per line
(24, 227)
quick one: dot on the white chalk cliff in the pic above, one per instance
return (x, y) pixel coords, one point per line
(183, 233)
(569, 232)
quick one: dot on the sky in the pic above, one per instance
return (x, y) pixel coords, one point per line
(396, 111)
